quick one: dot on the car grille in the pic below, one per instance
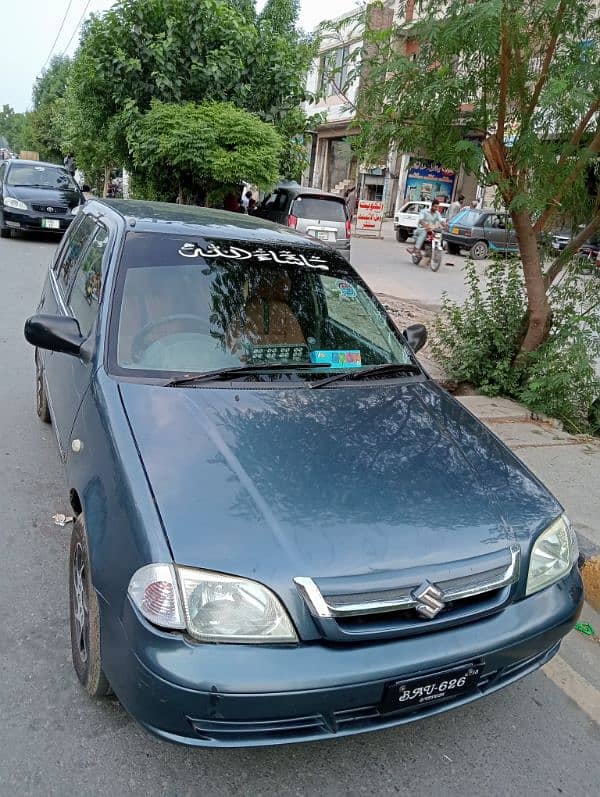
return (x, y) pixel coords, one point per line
(45, 208)
(353, 720)
(483, 587)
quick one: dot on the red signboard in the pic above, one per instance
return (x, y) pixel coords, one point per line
(369, 217)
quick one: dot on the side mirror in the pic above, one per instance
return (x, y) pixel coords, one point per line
(54, 332)
(416, 336)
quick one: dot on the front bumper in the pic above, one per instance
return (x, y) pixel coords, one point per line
(31, 220)
(247, 695)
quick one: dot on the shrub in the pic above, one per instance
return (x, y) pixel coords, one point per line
(478, 342)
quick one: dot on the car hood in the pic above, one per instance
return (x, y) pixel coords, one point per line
(51, 196)
(344, 482)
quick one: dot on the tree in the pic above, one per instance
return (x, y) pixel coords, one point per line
(47, 117)
(206, 149)
(15, 128)
(178, 51)
(515, 84)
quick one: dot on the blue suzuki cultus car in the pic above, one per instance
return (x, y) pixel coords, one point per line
(285, 530)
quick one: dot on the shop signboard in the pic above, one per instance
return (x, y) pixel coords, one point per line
(369, 217)
(428, 181)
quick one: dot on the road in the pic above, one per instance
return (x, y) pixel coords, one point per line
(540, 736)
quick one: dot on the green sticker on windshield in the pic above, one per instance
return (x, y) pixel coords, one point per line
(337, 358)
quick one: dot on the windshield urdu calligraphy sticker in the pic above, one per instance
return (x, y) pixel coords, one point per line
(336, 358)
(283, 257)
(279, 352)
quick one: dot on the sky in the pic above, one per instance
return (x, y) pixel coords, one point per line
(30, 28)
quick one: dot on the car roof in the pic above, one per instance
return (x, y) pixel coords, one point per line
(299, 190)
(34, 163)
(172, 219)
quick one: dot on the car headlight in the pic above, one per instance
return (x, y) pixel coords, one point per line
(212, 607)
(11, 202)
(554, 553)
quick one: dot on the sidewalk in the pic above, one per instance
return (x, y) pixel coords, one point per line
(568, 464)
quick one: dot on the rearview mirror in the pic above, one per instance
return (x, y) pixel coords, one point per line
(416, 336)
(54, 332)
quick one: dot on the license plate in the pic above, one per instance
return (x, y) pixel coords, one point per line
(322, 235)
(420, 692)
(455, 230)
(51, 224)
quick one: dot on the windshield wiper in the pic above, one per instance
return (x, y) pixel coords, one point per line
(372, 370)
(240, 370)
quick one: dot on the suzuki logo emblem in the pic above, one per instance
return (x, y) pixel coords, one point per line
(49, 210)
(429, 598)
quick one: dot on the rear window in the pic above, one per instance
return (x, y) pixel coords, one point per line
(319, 208)
(468, 218)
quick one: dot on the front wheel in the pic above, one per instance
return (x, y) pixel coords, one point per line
(436, 259)
(84, 616)
(479, 250)
(401, 235)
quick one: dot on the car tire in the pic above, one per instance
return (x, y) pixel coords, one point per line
(453, 249)
(401, 235)
(43, 410)
(479, 250)
(5, 232)
(84, 616)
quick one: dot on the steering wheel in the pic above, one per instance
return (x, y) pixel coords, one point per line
(139, 343)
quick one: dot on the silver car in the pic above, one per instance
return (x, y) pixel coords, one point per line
(316, 213)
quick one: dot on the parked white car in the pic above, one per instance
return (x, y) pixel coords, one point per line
(406, 218)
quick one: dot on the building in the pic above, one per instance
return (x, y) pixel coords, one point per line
(335, 80)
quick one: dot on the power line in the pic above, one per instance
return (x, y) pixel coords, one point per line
(83, 13)
(62, 24)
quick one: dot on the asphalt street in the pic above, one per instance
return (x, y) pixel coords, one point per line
(540, 736)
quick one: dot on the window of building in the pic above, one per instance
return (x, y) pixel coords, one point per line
(333, 71)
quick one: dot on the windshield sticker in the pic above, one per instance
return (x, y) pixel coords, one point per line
(336, 359)
(284, 257)
(347, 290)
(277, 353)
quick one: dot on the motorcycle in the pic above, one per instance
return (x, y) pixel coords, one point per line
(431, 251)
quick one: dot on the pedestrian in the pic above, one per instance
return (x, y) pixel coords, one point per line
(232, 203)
(245, 201)
(455, 207)
(69, 163)
(351, 201)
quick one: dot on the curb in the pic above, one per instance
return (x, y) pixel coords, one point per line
(589, 565)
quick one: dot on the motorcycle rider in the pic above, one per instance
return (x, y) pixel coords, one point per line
(428, 220)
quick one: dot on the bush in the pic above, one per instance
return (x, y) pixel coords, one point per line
(478, 341)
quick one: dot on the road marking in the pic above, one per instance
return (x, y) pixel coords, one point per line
(574, 686)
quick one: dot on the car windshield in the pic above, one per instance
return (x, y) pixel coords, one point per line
(467, 218)
(312, 207)
(26, 174)
(188, 307)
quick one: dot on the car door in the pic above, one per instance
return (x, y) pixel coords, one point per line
(78, 282)
(495, 232)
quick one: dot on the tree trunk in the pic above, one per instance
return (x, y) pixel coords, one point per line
(538, 308)
(106, 181)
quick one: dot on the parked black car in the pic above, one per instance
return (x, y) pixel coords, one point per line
(37, 196)
(316, 213)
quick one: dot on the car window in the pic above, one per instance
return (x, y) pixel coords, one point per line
(313, 207)
(85, 293)
(414, 207)
(80, 234)
(467, 218)
(496, 220)
(31, 175)
(184, 307)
